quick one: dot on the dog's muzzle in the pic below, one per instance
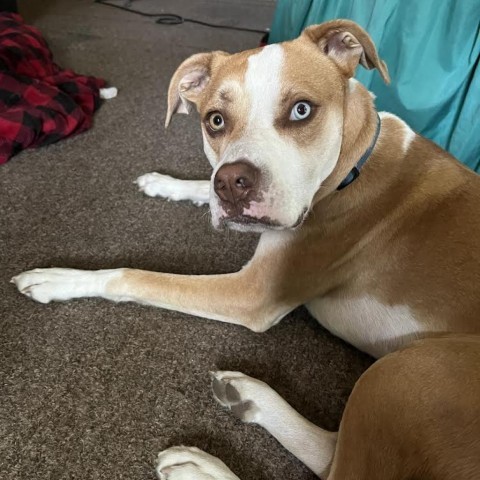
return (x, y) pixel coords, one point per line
(240, 189)
(236, 185)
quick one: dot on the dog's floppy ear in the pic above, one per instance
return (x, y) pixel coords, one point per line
(188, 83)
(347, 44)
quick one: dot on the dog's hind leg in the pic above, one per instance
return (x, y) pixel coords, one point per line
(253, 401)
(157, 185)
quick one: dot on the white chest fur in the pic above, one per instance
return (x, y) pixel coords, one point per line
(366, 323)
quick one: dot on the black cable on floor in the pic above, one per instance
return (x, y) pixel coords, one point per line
(173, 19)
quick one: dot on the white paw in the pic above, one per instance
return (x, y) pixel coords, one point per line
(157, 185)
(246, 397)
(191, 463)
(47, 284)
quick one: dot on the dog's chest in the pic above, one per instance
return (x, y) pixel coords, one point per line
(366, 323)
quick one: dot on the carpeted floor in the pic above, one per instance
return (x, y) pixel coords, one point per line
(93, 390)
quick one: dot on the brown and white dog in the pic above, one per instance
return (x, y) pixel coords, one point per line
(380, 260)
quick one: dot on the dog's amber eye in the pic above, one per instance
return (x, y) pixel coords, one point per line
(216, 121)
(300, 111)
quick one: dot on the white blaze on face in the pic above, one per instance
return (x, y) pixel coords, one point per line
(262, 143)
(262, 82)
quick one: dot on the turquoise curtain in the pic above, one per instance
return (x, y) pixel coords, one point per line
(432, 49)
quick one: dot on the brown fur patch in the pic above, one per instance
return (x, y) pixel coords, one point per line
(414, 414)
(307, 75)
(221, 95)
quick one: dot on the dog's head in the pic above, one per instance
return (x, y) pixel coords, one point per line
(272, 120)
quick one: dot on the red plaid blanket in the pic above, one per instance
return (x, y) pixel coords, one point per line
(39, 102)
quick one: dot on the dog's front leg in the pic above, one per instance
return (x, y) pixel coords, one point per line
(157, 185)
(243, 298)
(190, 463)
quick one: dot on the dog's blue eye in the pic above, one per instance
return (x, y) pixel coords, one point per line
(300, 111)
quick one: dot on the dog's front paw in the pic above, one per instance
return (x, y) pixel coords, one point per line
(243, 395)
(190, 463)
(56, 284)
(157, 185)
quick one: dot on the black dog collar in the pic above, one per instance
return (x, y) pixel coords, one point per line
(355, 171)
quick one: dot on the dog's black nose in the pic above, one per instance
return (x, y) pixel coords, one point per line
(234, 181)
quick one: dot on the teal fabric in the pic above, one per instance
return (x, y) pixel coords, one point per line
(432, 49)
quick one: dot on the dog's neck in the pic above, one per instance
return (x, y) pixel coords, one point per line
(359, 127)
(391, 176)
(359, 130)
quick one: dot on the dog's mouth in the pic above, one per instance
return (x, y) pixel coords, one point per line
(247, 222)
